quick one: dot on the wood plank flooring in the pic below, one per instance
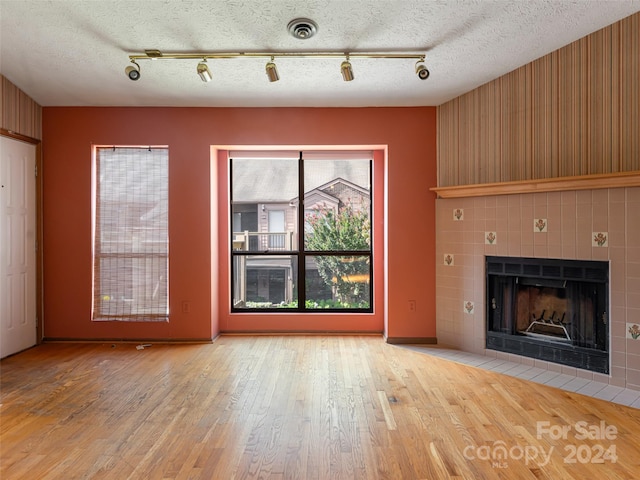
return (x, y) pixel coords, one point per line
(296, 407)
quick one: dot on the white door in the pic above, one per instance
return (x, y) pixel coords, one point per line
(17, 246)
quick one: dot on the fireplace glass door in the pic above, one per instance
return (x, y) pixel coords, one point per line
(574, 314)
(553, 310)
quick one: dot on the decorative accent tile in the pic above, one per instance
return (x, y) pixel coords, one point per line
(600, 239)
(469, 307)
(539, 225)
(633, 331)
(458, 214)
(448, 259)
(490, 238)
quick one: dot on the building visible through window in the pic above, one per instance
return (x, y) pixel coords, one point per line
(326, 264)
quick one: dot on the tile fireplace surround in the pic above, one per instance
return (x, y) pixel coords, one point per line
(599, 224)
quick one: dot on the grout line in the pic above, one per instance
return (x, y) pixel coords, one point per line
(627, 397)
(576, 384)
(591, 388)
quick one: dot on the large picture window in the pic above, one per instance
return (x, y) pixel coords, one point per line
(131, 241)
(313, 254)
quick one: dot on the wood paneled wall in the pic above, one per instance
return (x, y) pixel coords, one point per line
(573, 112)
(20, 114)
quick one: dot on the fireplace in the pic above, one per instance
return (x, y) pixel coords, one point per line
(549, 309)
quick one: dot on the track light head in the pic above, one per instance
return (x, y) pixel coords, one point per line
(203, 71)
(421, 70)
(272, 71)
(133, 72)
(347, 71)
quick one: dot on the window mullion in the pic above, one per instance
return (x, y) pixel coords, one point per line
(302, 284)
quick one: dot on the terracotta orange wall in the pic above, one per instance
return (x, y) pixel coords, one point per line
(69, 133)
(317, 321)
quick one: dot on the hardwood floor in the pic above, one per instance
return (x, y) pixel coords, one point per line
(295, 407)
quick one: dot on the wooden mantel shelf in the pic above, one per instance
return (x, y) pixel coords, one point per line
(584, 182)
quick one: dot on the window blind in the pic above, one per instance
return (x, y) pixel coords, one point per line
(131, 241)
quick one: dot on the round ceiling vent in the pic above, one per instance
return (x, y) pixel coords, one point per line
(302, 28)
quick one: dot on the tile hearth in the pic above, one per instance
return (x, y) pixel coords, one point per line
(570, 383)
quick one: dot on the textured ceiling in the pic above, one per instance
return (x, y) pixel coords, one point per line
(74, 52)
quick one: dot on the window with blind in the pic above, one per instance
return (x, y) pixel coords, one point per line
(301, 231)
(131, 241)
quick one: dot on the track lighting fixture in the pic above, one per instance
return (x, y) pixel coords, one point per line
(203, 71)
(347, 71)
(421, 70)
(272, 71)
(133, 72)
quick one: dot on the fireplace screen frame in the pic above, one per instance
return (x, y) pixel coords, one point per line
(549, 335)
